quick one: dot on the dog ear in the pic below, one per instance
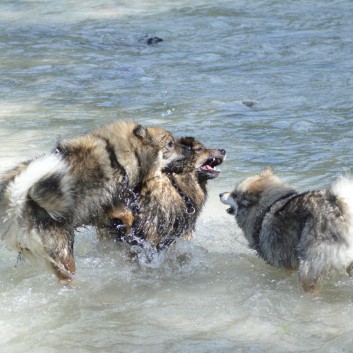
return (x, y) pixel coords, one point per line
(187, 141)
(142, 133)
(267, 172)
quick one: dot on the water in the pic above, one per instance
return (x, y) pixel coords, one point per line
(70, 66)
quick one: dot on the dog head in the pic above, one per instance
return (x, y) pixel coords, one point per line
(167, 151)
(252, 196)
(247, 194)
(198, 159)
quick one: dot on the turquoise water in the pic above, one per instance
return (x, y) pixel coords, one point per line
(70, 66)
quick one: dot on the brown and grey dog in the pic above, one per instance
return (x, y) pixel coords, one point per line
(310, 231)
(44, 200)
(167, 207)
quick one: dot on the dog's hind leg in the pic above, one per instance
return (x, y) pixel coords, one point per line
(307, 277)
(64, 268)
(309, 284)
(59, 244)
(349, 269)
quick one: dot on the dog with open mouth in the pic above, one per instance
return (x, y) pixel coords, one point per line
(166, 208)
(311, 232)
(43, 201)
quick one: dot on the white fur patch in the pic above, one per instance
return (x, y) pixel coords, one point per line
(16, 234)
(227, 199)
(38, 169)
(342, 188)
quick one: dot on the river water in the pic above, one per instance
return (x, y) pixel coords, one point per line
(269, 81)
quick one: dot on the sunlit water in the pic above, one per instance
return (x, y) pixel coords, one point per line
(70, 66)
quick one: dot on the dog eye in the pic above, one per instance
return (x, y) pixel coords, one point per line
(170, 144)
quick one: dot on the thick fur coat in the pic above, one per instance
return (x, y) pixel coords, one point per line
(44, 200)
(310, 231)
(167, 207)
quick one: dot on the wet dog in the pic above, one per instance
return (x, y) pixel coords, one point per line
(44, 200)
(167, 207)
(310, 231)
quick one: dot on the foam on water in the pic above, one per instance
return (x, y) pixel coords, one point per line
(68, 67)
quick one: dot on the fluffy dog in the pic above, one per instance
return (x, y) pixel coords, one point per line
(167, 207)
(42, 201)
(310, 231)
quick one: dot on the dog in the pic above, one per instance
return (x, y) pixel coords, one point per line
(311, 232)
(167, 207)
(43, 201)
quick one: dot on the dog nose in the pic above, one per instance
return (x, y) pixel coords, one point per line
(221, 194)
(223, 152)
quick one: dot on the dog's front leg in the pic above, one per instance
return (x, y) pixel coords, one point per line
(188, 235)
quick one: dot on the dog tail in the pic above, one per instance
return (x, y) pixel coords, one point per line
(47, 183)
(342, 189)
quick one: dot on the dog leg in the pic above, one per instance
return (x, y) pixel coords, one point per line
(59, 247)
(308, 276)
(64, 269)
(309, 284)
(349, 269)
(122, 212)
(119, 212)
(187, 236)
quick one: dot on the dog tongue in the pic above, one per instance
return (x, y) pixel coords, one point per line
(207, 167)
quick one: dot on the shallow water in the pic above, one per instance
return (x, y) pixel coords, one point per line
(70, 66)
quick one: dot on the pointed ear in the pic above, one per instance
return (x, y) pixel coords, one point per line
(140, 131)
(267, 172)
(187, 141)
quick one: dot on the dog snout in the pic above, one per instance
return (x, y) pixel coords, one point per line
(222, 151)
(224, 196)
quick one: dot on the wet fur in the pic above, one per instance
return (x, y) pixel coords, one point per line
(44, 200)
(167, 207)
(311, 232)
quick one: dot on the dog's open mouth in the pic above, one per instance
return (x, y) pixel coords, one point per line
(231, 211)
(208, 167)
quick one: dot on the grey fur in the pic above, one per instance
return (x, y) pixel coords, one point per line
(311, 232)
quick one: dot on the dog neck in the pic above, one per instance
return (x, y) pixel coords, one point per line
(260, 217)
(190, 209)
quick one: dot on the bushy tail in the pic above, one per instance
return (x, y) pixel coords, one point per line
(342, 189)
(47, 183)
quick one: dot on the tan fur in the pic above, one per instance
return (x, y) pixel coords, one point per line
(168, 205)
(44, 200)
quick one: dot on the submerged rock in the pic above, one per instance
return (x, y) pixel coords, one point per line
(154, 40)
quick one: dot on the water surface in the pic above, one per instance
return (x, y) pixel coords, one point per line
(70, 66)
